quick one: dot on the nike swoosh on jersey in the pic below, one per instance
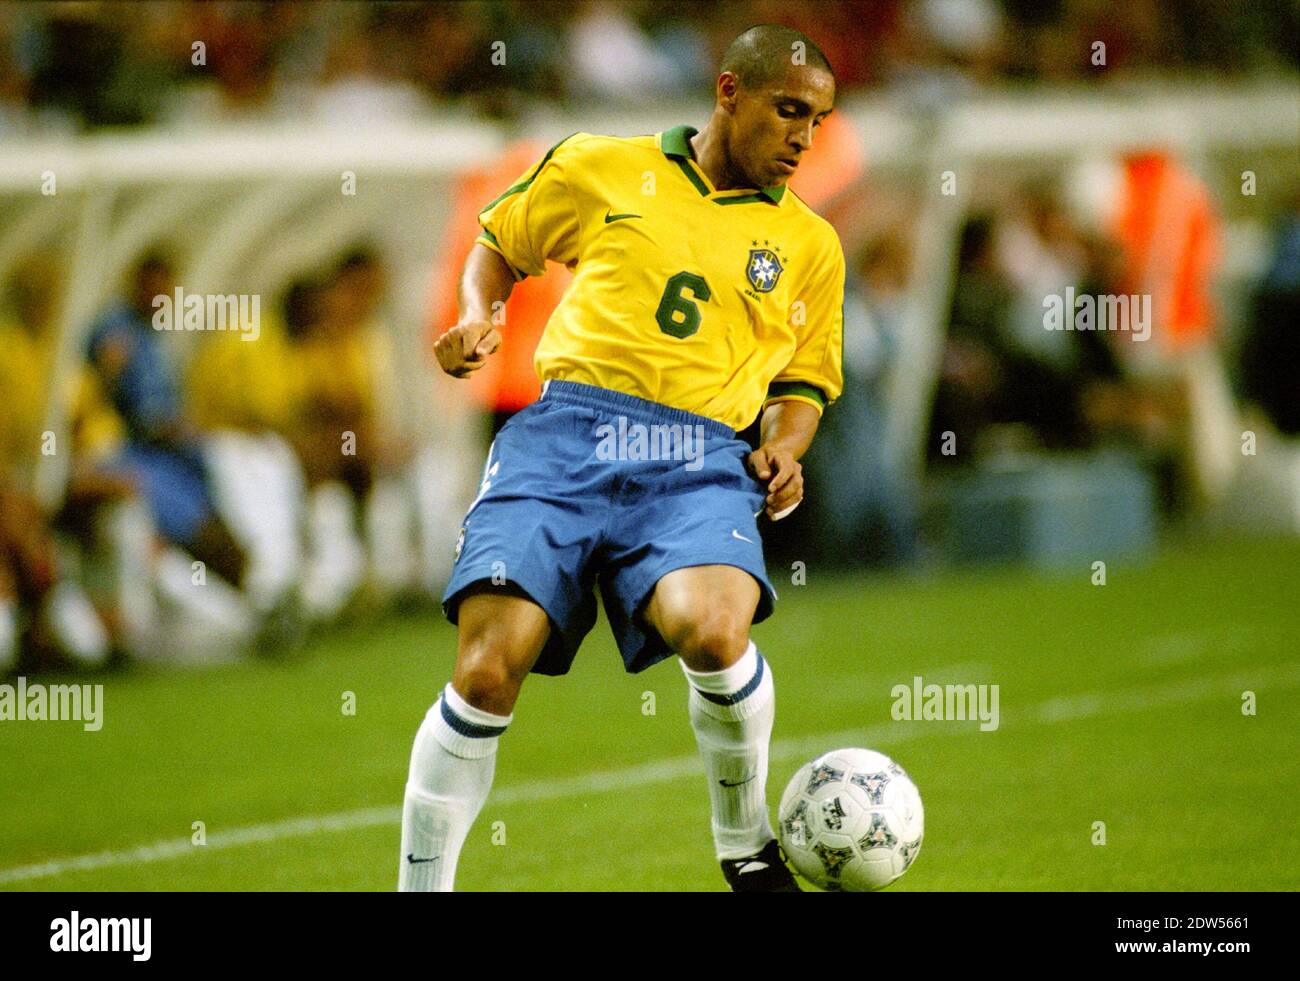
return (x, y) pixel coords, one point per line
(735, 533)
(610, 217)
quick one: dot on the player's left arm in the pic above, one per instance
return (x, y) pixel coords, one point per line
(786, 432)
(810, 382)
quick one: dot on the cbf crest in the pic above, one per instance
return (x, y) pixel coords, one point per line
(764, 268)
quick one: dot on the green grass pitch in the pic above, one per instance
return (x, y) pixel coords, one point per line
(1119, 704)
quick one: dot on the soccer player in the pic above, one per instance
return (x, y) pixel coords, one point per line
(704, 293)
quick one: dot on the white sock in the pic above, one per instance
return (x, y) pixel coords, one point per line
(732, 712)
(451, 773)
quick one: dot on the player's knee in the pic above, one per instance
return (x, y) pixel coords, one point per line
(500, 638)
(484, 676)
(709, 639)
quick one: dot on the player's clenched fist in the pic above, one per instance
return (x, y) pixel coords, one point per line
(465, 348)
(783, 475)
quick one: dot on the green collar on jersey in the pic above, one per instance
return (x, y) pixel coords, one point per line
(676, 143)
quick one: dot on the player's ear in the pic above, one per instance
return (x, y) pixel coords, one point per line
(728, 91)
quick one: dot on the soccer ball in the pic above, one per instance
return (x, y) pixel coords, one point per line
(851, 821)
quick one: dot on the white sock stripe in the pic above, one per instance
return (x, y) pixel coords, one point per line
(729, 680)
(454, 739)
(743, 708)
(750, 688)
(472, 715)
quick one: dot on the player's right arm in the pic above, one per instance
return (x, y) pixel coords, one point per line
(484, 286)
(535, 221)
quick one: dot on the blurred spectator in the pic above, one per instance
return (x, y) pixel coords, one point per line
(39, 596)
(242, 391)
(1006, 382)
(865, 513)
(971, 374)
(342, 356)
(27, 334)
(358, 503)
(37, 591)
(162, 454)
(1168, 228)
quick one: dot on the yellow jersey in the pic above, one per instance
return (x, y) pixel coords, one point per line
(341, 372)
(25, 368)
(715, 302)
(24, 375)
(235, 383)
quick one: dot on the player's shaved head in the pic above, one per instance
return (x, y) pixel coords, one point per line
(765, 52)
(774, 88)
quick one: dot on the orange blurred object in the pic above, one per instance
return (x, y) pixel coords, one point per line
(1170, 234)
(508, 382)
(835, 162)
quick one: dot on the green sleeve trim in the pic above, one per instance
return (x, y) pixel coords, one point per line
(490, 240)
(800, 390)
(794, 398)
(523, 184)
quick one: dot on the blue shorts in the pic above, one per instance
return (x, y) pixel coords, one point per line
(174, 483)
(590, 487)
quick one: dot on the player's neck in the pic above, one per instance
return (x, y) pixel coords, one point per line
(711, 154)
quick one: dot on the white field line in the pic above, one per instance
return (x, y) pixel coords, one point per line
(1071, 708)
(1192, 644)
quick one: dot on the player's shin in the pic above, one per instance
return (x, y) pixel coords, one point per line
(731, 712)
(449, 779)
